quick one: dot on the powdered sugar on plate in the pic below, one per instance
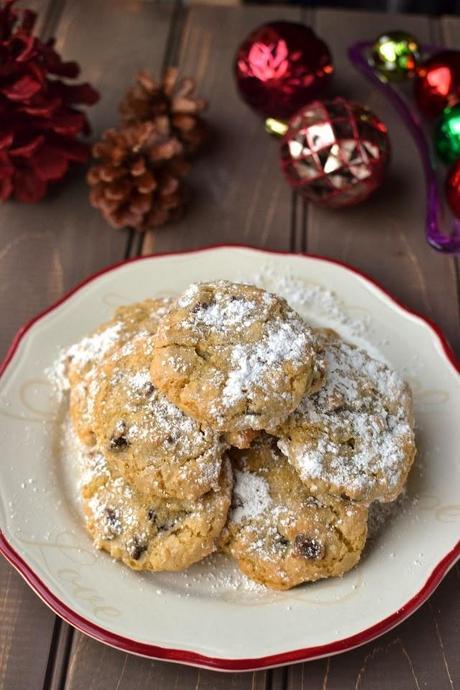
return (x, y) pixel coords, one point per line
(317, 304)
(57, 375)
(76, 469)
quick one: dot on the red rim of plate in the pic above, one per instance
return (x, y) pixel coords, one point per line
(194, 658)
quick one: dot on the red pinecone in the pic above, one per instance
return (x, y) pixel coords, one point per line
(39, 124)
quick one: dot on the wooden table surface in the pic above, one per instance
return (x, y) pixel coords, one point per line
(239, 197)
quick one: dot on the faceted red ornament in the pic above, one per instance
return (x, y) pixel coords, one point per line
(453, 189)
(281, 66)
(335, 152)
(437, 85)
(39, 123)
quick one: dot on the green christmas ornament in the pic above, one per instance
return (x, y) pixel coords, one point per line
(447, 135)
(395, 55)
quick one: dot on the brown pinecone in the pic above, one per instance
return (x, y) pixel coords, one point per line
(149, 101)
(137, 181)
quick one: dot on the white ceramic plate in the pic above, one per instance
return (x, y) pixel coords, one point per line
(210, 616)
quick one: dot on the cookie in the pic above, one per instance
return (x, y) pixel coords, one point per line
(279, 533)
(233, 356)
(88, 353)
(241, 439)
(146, 439)
(127, 321)
(147, 532)
(355, 437)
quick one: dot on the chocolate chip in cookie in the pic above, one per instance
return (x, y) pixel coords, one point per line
(136, 548)
(306, 547)
(118, 440)
(149, 389)
(113, 523)
(281, 540)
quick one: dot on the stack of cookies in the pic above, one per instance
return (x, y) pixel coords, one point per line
(221, 420)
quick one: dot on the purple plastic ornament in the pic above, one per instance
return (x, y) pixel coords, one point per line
(449, 244)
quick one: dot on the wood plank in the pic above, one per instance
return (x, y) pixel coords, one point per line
(238, 193)
(61, 240)
(9, 239)
(385, 236)
(115, 40)
(391, 229)
(449, 33)
(96, 667)
(59, 656)
(231, 202)
(26, 632)
(335, 672)
(27, 625)
(45, 249)
(420, 653)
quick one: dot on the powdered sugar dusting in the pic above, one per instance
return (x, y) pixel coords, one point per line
(355, 434)
(115, 510)
(219, 310)
(92, 465)
(250, 363)
(227, 315)
(251, 496)
(242, 344)
(139, 380)
(95, 346)
(188, 295)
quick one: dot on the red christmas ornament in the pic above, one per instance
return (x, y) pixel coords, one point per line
(437, 85)
(39, 124)
(335, 152)
(281, 66)
(453, 189)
